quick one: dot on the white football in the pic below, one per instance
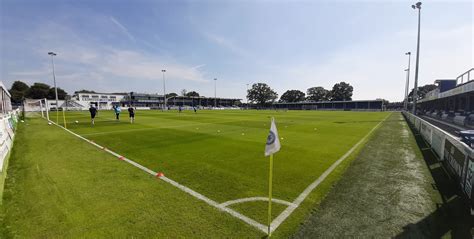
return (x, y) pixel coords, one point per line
(77, 121)
(49, 123)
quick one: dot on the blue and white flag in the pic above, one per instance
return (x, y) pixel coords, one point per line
(273, 142)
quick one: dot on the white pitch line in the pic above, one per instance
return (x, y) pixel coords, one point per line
(223, 207)
(185, 189)
(242, 200)
(296, 203)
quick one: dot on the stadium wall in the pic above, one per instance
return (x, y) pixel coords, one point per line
(356, 105)
(8, 122)
(455, 155)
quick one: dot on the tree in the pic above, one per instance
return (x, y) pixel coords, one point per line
(292, 96)
(18, 91)
(192, 94)
(341, 91)
(61, 94)
(171, 95)
(318, 94)
(183, 92)
(84, 91)
(261, 93)
(38, 91)
(422, 90)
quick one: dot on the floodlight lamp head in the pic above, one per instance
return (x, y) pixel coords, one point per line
(163, 70)
(408, 53)
(418, 5)
(51, 53)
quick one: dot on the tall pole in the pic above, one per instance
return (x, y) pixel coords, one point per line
(270, 182)
(52, 54)
(415, 91)
(247, 96)
(164, 90)
(215, 92)
(407, 85)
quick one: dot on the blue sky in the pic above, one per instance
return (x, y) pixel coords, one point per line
(121, 46)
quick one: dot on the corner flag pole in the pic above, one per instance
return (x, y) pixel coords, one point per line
(270, 179)
(272, 146)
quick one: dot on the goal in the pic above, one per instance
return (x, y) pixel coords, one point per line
(38, 106)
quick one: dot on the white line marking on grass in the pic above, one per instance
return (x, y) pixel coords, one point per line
(223, 206)
(242, 200)
(296, 203)
(185, 189)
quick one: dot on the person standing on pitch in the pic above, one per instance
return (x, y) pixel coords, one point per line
(117, 111)
(131, 113)
(93, 112)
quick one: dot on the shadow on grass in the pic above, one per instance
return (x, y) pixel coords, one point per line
(452, 217)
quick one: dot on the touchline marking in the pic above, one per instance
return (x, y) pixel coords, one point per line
(228, 203)
(185, 189)
(296, 203)
(223, 206)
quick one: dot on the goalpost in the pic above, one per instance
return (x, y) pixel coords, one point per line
(38, 106)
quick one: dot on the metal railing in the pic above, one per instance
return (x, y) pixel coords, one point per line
(455, 155)
(465, 77)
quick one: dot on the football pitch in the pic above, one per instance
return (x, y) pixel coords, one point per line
(218, 156)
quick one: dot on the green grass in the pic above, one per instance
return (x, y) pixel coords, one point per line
(216, 153)
(387, 192)
(59, 186)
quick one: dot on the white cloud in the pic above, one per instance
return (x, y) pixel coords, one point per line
(122, 28)
(227, 44)
(33, 73)
(376, 68)
(84, 63)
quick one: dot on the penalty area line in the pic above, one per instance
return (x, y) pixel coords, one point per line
(183, 188)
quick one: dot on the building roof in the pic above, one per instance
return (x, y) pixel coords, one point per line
(98, 93)
(5, 88)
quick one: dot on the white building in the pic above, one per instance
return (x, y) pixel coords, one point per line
(5, 100)
(100, 100)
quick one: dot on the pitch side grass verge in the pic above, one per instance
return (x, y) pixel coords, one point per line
(387, 192)
(59, 186)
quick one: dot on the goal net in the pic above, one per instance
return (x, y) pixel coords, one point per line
(38, 106)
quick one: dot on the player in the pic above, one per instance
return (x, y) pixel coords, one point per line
(117, 111)
(179, 109)
(195, 110)
(93, 112)
(131, 114)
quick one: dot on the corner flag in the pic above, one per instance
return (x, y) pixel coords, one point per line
(273, 142)
(272, 146)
